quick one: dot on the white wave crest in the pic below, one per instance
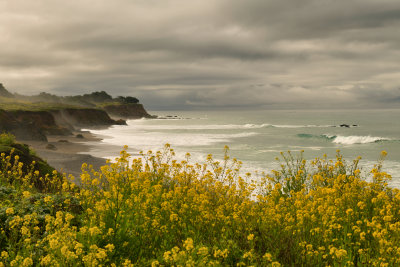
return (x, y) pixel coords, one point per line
(256, 126)
(355, 139)
(302, 126)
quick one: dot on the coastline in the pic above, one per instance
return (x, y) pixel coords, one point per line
(53, 125)
(67, 153)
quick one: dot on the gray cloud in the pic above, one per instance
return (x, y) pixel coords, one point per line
(206, 54)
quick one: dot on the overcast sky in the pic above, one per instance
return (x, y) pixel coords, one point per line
(206, 54)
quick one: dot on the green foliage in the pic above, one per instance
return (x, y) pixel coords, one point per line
(7, 139)
(88, 100)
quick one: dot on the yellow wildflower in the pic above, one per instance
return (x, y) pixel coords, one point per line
(45, 260)
(27, 262)
(188, 244)
(10, 211)
(203, 251)
(110, 247)
(4, 254)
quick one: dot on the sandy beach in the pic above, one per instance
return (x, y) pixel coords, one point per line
(67, 153)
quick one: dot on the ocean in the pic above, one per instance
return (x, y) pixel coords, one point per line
(256, 137)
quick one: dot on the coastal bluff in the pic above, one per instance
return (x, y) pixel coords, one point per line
(127, 111)
(35, 117)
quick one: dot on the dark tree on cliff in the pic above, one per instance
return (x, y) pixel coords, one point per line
(98, 97)
(128, 100)
(46, 97)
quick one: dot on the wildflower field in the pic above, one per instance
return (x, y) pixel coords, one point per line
(156, 211)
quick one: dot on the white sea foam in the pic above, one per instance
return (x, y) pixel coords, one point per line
(256, 126)
(304, 148)
(143, 124)
(329, 136)
(355, 139)
(302, 126)
(139, 124)
(140, 139)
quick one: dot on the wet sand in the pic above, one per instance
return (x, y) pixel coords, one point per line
(67, 153)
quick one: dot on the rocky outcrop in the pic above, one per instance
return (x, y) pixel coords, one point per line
(127, 111)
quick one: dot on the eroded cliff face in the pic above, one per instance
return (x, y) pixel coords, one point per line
(127, 111)
(43, 120)
(22, 129)
(35, 125)
(83, 117)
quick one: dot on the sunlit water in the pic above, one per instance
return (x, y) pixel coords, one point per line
(257, 137)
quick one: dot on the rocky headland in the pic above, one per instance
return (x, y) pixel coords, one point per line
(36, 117)
(53, 125)
(127, 111)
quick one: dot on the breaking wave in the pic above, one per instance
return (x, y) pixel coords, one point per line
(355, 139)
(347, 140)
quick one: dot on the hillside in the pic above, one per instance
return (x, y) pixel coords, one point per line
(14, 154)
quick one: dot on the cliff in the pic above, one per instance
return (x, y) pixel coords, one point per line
(127, 111)
(84, 117)
(42, 120)
(34, 117)
(23, 130)
(30, 125)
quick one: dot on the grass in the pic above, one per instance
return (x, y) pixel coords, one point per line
(12, 104)
(28, 106)
(157, 211)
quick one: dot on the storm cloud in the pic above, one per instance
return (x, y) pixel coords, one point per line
(177, 54)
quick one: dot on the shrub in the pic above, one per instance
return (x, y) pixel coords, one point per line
(7, 139)
(154, 210)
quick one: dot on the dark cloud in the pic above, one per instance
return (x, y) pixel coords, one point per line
(206, 54)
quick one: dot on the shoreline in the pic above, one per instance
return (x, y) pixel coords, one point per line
(67, 153)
